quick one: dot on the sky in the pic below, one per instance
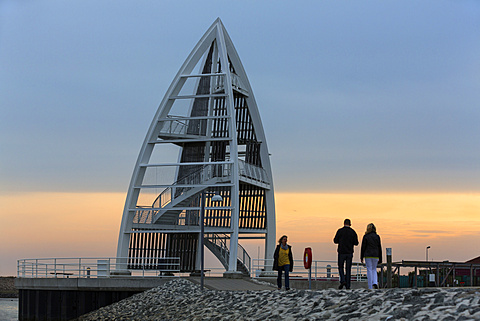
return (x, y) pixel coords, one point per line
(371, 111)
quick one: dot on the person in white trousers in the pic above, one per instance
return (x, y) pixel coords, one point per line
(372, 253)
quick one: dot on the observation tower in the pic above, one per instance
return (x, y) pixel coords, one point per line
(206, 139)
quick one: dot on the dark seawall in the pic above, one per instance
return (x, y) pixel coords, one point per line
(66, 299)
(7, 287)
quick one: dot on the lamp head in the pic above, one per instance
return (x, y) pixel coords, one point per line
(217, 198)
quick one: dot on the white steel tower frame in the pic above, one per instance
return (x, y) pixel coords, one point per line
(210, 119)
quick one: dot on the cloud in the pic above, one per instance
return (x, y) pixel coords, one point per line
(430, 231)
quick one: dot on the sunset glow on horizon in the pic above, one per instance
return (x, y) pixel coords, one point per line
(406, 222)
(87, 224)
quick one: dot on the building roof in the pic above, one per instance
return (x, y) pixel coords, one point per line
(474, 261)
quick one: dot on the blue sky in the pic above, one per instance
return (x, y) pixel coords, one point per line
(367, 96)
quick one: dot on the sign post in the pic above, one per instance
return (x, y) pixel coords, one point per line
(307, 263)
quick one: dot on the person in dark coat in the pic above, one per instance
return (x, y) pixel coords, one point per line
(346, 238)
(283, 261)
(372, 253)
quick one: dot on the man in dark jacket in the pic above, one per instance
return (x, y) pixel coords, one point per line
(346, 238)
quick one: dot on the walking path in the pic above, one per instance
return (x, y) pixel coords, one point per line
(224, 284)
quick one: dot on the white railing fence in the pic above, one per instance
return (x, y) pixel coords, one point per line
(321, 270)
(219, 83)
(220, 240)
(243, 256)
(102, 267)
(174, 126)
(96, 267)
(252, 172)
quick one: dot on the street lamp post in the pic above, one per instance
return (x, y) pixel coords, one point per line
(202, 232)
(426, 253)
(215, 198)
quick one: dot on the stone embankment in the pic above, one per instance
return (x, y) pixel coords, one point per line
(7, 287)
(180, 299)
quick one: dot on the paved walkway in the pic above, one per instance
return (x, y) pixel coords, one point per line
(224, 284)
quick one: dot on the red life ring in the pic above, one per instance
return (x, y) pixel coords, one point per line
(307, 258)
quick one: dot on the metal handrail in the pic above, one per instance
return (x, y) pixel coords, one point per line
(144, 216)
(96, 267)
(199, 176)
(253, 172)
(321, 270)
(165, 196)
(236, 84)
(243, 256)
(174, 126)
(220, 241)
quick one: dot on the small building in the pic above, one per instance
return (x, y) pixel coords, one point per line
(474, 261)
(448, 273)
(463, 274)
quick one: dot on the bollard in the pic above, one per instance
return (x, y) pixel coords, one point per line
(389, 267)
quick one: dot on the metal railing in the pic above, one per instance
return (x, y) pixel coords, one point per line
(236, 84)
(145, 215)
(97, 267)
(243, 256)
(176, 126)
(181, 126)
(202, 175)
(220, 240)
(199, 176)
(252, 172)
(167, 195)
(321, 270)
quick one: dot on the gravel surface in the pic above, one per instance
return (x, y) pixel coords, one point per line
(180, 299)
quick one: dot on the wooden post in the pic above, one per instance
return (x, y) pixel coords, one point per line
(399, 276)
(389, 267)
(381, 278)
(415, 278)
(454, 279)
(475, 276)
(471, 275)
